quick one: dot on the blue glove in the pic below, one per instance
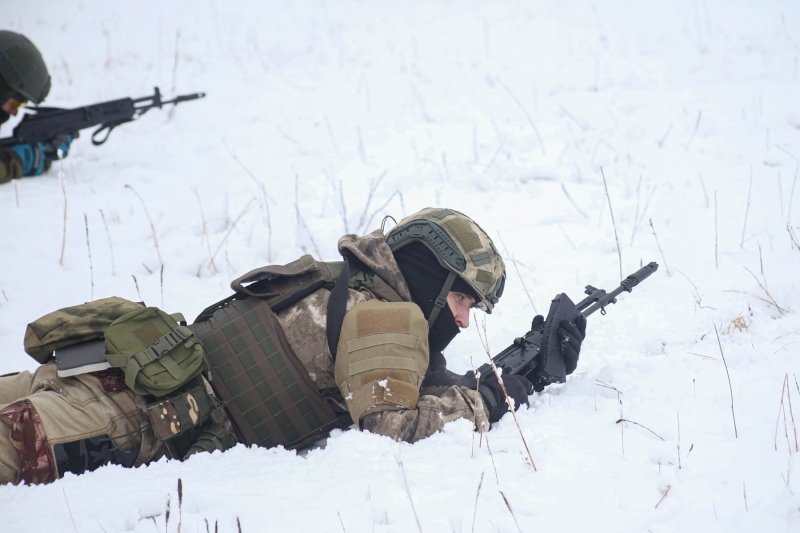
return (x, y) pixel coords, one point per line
(37, 157)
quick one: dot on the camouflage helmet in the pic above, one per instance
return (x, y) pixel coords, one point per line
(22, 69)
(461, 247)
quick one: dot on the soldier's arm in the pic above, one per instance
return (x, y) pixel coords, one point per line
(436, 407)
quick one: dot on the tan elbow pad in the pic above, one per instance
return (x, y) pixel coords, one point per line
(382, 357)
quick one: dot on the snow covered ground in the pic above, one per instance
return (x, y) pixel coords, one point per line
(321, 117)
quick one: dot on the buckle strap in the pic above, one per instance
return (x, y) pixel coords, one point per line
(162, 346)
(441, 300)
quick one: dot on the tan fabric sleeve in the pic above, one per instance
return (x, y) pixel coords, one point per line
(430, 416)
(10, 165)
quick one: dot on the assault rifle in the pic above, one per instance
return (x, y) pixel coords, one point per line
(536, 355)
(44, 124)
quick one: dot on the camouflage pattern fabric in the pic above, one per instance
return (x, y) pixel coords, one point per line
(373, 251)
(72, 325)
(484, 269)
(304, 325)
(430, 416)
(36, 463)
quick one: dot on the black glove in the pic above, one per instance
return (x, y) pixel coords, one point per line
(517, 387)
(571, 334)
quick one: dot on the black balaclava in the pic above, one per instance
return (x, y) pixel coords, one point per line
(425, 278)
(5, 90)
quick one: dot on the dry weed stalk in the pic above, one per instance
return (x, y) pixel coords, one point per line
(510, 511)
(640, 425)
(408, 492)
(477, 494)
(175, 71)
(64, 234)
(791, 196)
(180, 504)
(702, 183)
(582, 213)
(516, 268)
(136, 282)
(265, 198)
(110, 246)
(744, 493)
(747, 209)
(679, 440)
(205, 234)
(16, 191)
(150, 220)
(669, 274)
(491, 455)
(69, 509)
(716, 233)
(786, 392)
(300, 217)
(89, 248)
(485, 342)
(763, 287)
(614, 223)
(527, 116)
(733, 413)
(230, 230)
(664, 495)
(340, 521)
(619, 402)
(793, 237)
(696, 127)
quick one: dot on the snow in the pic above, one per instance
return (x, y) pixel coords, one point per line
(321, 118)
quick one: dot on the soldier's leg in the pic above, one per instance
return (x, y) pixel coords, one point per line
(76, 424)
(9, 460)
(16, 386)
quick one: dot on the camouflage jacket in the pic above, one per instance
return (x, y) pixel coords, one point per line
(10, 165)
(304, 324)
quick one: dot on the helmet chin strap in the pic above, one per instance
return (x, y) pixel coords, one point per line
(441, 300)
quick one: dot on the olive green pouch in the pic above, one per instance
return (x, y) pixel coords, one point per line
(157, 354)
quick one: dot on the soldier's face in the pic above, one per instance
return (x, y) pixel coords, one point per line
(460, 304)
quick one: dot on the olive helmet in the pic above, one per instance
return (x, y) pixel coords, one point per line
(461, 247)
(22, 69)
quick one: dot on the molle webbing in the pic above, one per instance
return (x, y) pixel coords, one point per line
(270, 398)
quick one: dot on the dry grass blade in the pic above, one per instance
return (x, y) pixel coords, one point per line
(150, 220)
(69, 509)
(230, 230)
(408, 492)
(763, 286)
(89, 248)
(614, 223)
(527, 116)
(747, 209)
(485, 341)
(510, 511)
(564, 188)
(205, 233)
(110, 246)
(477, 494)
(66, 206)
(492, 457)
(733, 413)
(640, 425)
(666, 266)
(663, 496)
(516, 268)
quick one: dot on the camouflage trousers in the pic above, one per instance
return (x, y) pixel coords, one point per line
(52, 425)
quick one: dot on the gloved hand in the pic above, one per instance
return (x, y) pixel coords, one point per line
(571, 334)
(517, 387)
(36, 158)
